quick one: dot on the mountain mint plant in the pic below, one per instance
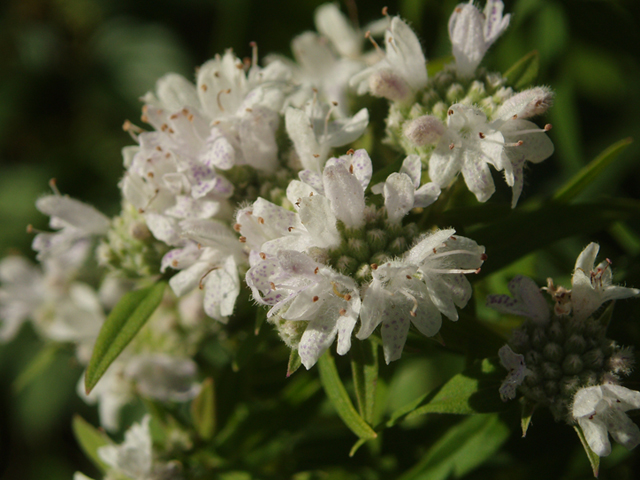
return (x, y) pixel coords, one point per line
(260, 198)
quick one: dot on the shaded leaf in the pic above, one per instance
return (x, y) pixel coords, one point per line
(364, 367)
(525, 417)
(594, 459)
(473, 391)
(524, 72)
(294, 362)
(124, 321)
(90, 439)
(203, 410)
(36, 366)
(463, 448)
(589, 173)
(340, 399)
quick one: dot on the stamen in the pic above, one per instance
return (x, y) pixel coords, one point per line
(54, 187)
(228, 90)
(200, 284)
(455, 270)
(368, 36)
(237, 227)
(414, 309)
(351, 151)
(342, 312)
(254, 54)
(315, 299)
(242, 239)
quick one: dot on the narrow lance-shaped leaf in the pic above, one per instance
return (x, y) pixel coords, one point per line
(294, 363)
(124, 321)
(589, 173)
(203, 410)
(90, 439)
(594, 459)
(340, 399)
(463, 448)
(36, 366)
(364, 367)
(473, 391)
(524, 72)
(526, 414)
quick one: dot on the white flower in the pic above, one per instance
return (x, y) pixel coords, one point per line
(426, 282)
(163, 377)
(591, 287)
(76, 223)
(307, 291)
(402, 190)
(527, 301)
(210, 261)
(402, 72)
(314, 135)
(468, 145)
(472, 33)
(514, 363)
(600, 411)
(133, 457)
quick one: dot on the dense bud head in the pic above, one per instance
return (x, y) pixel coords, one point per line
(575, 344)
(455, 93)
(589, 377)
(572, 364)
(386, 84)
(551, 371)
(290, 332)
(553, 352)
(622, 361)
(424, 130)
(555, 331)
(520, 340)
(551, 388)
(539, 338)
(593, 358)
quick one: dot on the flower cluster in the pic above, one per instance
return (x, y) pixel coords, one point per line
(560, 357)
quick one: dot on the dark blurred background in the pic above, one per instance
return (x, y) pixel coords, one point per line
(71, 72)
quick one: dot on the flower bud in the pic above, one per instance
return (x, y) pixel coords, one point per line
(347, 264)
(377, 239)
(553, 351)
(532, 358)
(572, 364)
(555, 332)
(359, 249)
(575, 344)
(539, 338)
(520, 341)
(477, 91)
(455, 93)
(423, 130)
(593, 358)
(589, 377)
(621, 361)
(386, 84)
(398, 246)
(551, 371)
(569, 385)
(551, 388)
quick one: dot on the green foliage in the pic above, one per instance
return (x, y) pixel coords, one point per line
(524, 72)
(124, 321)
(90, 439)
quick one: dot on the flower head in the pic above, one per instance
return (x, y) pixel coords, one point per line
(600, 411)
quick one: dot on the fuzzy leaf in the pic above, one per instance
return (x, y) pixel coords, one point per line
(339, 397)
(203, 410)
(124, 321)
(463, 448)
(594, 459)
(590, 172)
(294, 362)
(90, 439)
(524, 72)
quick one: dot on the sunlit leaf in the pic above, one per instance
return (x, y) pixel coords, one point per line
(90, 439)
(364, 367)
(340, 398)
(124, 321)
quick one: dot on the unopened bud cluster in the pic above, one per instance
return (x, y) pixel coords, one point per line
(565, 355)
(376, 242)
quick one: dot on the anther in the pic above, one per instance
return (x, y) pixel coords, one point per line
(481, 135)
(350, 168)
(450, 112)
(242, 239)
(290, 229)
(174, 263)
(408, 277)
(316, 271)
(347, 297)
(374, 266)
(451, 146)
(53, 186)
(200, 284)
(351, 151)
(262, 255)
(315, 299)
(237, 227)
(228, 90)
(315, 155)
(483, 257)
(342, 312)
(272, 285)
(204, 87)
(261, 220)
(385, 11)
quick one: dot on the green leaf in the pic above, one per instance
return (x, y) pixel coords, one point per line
(36, 366)
(524, 231)
(124, 321)
(437, 64)
(473, 391)
(605, 317)
(364, 367)
(203, 410)
(528, 408)
(594, 459)
(338, 396)
(294, 362)
(524, 72)
(90, 439)
(589, 173)
(463, 448)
